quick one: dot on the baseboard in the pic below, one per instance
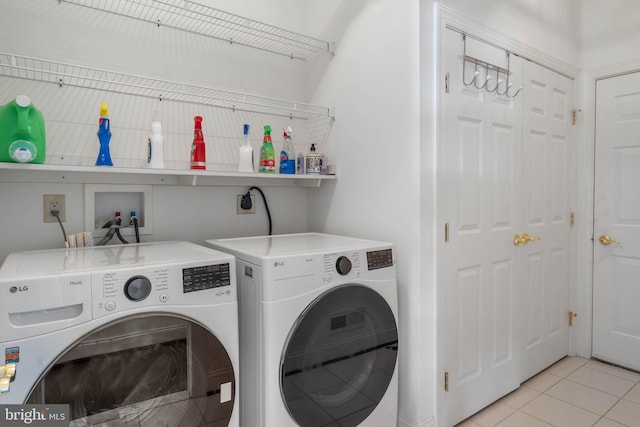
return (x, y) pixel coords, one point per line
(431, 422)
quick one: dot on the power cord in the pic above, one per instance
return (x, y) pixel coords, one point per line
(245, 203)
(56, 213)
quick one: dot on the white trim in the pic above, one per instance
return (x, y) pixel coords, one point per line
(431, 422)
(449, 18)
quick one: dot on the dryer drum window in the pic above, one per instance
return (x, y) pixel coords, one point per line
(151, 370)
(340, 357)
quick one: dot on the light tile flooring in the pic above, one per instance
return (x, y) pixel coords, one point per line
(574, 392)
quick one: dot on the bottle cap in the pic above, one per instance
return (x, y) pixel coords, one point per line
(267, 130)
(289, 130)
(198, 121)
(23, 101)
(313, 147)
(246, 129)
(104, 111)
(156, 127)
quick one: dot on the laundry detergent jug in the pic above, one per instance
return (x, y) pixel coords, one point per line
(22, 137)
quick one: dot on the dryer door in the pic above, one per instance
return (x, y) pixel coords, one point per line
(146, 370)
(339, 358)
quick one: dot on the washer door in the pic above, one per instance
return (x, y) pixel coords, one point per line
(339, 357)
(146, 370)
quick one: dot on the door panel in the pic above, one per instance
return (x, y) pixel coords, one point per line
(616, 318)
(481, 155)
(546, 186)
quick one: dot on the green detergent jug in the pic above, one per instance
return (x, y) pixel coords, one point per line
(22, 137)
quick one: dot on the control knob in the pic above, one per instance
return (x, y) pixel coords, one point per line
(137, 288)
(343, 265)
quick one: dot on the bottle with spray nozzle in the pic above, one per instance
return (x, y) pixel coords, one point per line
(104, 136)
(245, 162)
(198, 151)
(287, 158)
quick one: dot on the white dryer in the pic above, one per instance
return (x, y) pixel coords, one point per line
(140, 334)
(318, 330)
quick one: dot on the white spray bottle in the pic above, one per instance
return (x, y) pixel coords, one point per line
(245, 163)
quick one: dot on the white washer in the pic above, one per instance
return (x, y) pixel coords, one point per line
(140, 334)
(318, 330)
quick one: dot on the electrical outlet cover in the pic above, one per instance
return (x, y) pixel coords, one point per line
(51, 202)
(241, 211)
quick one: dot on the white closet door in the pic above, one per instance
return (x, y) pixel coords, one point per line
(546, 202)
(616, 288)
(480, 168)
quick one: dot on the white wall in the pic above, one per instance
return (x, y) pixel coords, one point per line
(609, 34)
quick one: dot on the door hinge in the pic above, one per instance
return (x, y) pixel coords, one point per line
(447, 80)
(575, 112)
(570, 316)
(572, 219)
(446, 232)
(446, 381)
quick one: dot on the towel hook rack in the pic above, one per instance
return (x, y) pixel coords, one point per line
(488, 71)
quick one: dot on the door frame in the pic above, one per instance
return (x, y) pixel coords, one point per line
(584, 174)
(447, 18)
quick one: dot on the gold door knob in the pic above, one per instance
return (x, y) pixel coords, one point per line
(517, 240)
(528, 238)
(606, 240)
(5, 384)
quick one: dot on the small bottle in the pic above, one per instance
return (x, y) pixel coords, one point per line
(245, 162)
(198, 151)
(287, 158)
(300, 164)
(267, 154)
(155, 157)
(312, 161)
(104, 136)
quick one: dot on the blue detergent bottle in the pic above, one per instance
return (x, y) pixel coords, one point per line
(104, 136)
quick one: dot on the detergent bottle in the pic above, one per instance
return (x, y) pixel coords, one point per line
(22, 135)
(104, 136)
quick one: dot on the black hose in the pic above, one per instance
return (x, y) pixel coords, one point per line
(118, 222)
(64, 233)
(265, 205)
(135, 226)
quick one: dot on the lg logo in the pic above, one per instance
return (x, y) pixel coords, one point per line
(15, 289)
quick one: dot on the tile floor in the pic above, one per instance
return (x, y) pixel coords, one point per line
(574, 392)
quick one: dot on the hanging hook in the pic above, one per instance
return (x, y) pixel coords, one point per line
(464, 64)
(515, 94)
(507, 85)
(487, 77)
(498, 81)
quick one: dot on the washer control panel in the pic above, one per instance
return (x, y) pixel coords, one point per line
(194, 283)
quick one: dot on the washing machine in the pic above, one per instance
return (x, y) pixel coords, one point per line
(139, 334)
(318, 330)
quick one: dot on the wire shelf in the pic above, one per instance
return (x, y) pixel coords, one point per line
(63, 74)
(207, 21)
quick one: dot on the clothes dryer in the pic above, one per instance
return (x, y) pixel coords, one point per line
(140, 334)
(318, 330)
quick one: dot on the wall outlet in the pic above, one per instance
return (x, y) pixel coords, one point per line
(53, 202)
(241, 211)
